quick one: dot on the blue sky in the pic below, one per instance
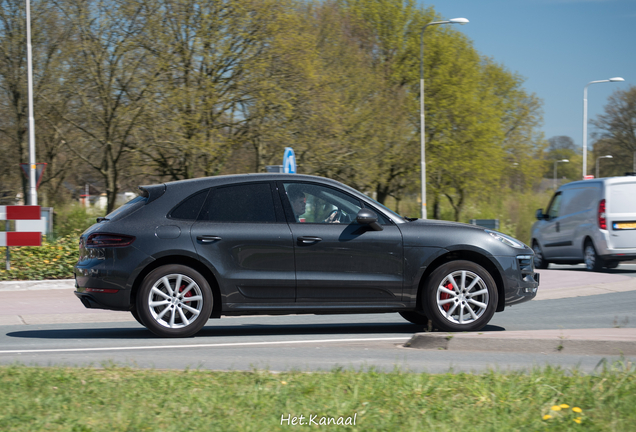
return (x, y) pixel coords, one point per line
(558, 46)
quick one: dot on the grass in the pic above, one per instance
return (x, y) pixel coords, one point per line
(124, 399)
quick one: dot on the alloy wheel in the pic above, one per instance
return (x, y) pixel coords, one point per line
(462, 297)
(175, 301)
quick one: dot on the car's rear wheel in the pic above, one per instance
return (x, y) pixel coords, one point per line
(539, 259)
(611, 264)
(174, 301)
(593, 262)
(460, 296)
(415, 317)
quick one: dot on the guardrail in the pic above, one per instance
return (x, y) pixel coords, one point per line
(19, 238)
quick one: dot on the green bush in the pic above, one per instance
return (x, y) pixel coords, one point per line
(52, 260)
(73, 218)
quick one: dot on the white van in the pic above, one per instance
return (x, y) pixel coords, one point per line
(589, 221)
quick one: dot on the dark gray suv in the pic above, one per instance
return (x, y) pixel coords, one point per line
(187, 251)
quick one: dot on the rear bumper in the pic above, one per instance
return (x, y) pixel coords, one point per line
(620, 256)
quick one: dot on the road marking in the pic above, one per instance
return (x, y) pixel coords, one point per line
(218, 345)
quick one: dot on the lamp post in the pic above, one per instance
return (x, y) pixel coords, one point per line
(615, 79)
(555, 171)
(33, 194)
(601, 157)
(422, 123)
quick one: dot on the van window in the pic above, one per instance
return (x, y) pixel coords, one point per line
(555, 204)
(577, 200)
(622, 198)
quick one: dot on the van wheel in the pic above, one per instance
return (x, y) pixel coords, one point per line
(174, 301)
(539, 259)
(460, 296)
(593, 262)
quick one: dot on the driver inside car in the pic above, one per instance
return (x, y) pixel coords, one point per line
(299, 206)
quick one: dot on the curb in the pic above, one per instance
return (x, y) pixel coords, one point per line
(37, 285)
(614, 341)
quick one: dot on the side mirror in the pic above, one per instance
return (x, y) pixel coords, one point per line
(368, 217)
(540, 215)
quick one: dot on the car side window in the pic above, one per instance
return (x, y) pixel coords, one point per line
(555, 205)
(312, 203)
(251, 202)
(190, 207)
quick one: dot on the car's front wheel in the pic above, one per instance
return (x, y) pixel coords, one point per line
(460, 296)
(174, 301)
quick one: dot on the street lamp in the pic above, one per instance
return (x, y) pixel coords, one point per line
(422, 123)
(33, 194)
(601, 157)
(555, 167)
(616, 79)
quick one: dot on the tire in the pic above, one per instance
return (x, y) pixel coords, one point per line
(468, 310)
(136, 316)
(539, 259)
(593, 262)
(611, 264)
(170, 312)
(415, 317)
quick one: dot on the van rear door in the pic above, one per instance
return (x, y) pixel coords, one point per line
(621, 214)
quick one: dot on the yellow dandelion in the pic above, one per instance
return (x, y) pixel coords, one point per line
(46, 261)
(577, 410)
(577, 420)
(564, 406)
(556, 408)
(283, 382)
(547, 417)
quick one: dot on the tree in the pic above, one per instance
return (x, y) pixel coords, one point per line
(559, 148)
(617, 132)
(108, 84)
(49, 39)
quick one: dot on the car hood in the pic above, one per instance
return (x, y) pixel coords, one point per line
(443, 234)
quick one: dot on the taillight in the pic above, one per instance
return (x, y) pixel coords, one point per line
(602, 221)
(108, 240)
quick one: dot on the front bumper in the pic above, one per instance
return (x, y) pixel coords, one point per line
(521, 282)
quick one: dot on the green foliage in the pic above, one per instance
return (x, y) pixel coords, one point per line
(73, 219)
(122, 399)
(52, 260)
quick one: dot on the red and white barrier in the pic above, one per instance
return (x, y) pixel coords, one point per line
(17, 238)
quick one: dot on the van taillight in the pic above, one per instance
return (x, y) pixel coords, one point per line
(108, 240)
(602, 222)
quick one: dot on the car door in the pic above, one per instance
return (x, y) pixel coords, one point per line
(242, 233)
(338, 259)
(550, 235)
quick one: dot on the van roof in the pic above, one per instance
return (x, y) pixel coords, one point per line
(600, 181)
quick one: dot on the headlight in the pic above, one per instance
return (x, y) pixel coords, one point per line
(512, 242)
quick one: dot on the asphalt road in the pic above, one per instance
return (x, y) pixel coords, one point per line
(312, 342)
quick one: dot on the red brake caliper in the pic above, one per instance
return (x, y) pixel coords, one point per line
(188, 294)
(445, 296)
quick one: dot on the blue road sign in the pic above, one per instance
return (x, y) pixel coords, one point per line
(289, 161)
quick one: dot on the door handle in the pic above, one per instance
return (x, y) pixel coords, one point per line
(308, 239)
(208, 238)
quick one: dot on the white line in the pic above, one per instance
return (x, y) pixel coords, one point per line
(235, 344)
